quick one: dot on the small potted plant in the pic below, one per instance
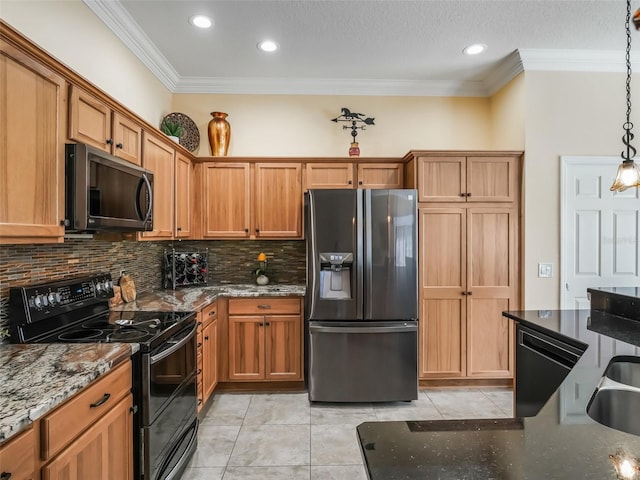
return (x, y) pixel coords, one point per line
(261, 271)
(172, 129)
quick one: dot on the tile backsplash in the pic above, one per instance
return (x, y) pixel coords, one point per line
(229, 262)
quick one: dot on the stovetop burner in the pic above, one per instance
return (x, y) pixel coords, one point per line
(90, 335)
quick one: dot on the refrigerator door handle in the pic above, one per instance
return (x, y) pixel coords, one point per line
(386, 329)
(313, 264)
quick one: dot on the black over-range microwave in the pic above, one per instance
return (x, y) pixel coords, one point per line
(105, 193)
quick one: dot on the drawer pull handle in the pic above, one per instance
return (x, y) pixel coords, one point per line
(199, 371)
(5, 475)
(264, 307)
(212, 312)
(206, 338)
(199, 344)
(104, 398)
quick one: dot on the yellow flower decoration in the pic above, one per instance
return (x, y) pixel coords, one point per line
(262, 257)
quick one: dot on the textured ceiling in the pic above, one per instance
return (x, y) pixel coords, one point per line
(332, 44)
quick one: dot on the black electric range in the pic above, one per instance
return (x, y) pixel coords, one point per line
(164, 369)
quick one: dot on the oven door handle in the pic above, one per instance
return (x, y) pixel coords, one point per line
(175, 347)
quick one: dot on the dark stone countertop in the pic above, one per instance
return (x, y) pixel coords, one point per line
(561, 442)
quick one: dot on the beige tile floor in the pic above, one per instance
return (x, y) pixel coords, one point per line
(283, 437)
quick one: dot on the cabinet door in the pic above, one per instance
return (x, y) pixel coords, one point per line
(183, 196)
(377, 175)
(18, 457)
(246, 347)
(283, 347)
(491, 289)
(491, 179)
(328, 175)
(278, 200)
(159, 158)
(32, 106)
(442, 179)
(209, 359)
(226, 200)
(104, 452)
(89, 120)
(443, 265)
(127, 139)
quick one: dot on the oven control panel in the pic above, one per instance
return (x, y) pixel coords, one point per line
(37, 302)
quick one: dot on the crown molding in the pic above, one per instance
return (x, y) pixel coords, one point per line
(328, 86)
(575, 60)
(118, 20)
(505, 71)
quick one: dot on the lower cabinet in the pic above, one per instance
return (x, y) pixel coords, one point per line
(90, 436)
(265, 339)
(104, 452)
(207, 352)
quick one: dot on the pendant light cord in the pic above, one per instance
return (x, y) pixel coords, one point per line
(628, 126)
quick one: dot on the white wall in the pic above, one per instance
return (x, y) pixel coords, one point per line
(70, 32)
(566, 113)
(293, 125)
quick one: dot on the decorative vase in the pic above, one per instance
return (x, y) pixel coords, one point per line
(219, 134)
(262, 280)
(354, 150)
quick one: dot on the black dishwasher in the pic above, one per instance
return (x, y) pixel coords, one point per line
(542, 363)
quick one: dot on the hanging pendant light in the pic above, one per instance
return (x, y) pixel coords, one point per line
(628, 172)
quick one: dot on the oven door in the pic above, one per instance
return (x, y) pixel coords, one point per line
(166, 370)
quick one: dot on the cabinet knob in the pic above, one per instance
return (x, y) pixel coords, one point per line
(464, 293)
(199, 371)
(350, 182)
(257, 230)
(206, 337)
(212, 312)
(5, 475)
(267, 323)
(360, 182)
(463, 194)
(119, 145)
(109, 141)
(179, 229)
(199, 323)
(246, 230)
(468, 194)
(198, 345)
(469, 293)
(199, 401)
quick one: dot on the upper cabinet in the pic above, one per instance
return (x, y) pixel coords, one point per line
(353, 175)
(467, 178)
(33, 100)
(158, 157)
(93, 122)
(251, 200)
(183, 194)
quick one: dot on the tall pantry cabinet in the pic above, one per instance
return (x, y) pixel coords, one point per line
(469, 273)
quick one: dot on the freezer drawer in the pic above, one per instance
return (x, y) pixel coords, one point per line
(363, 362)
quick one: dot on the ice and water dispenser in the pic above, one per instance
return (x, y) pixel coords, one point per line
(335, 275)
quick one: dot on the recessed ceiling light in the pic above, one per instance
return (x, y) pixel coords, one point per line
(201, 21)
(475, 49)
(268, 46)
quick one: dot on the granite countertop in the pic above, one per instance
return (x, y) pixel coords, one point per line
(191, 299)
(35, 378)
(560, 442)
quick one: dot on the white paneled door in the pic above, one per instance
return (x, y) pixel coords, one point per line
(600, 231)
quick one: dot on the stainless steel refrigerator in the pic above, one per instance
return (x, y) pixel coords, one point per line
(361, 305)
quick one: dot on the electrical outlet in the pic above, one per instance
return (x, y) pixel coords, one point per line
(545, 270)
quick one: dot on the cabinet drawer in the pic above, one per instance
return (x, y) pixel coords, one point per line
(84, 409)
(263, 306)
(17, 457)
(209, 313)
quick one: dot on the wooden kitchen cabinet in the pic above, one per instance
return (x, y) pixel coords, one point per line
(33, 103)
(353, 175)
(467, 178)
(265, 339)
(468, 275)
(207, 353)
(18, 457)
(159, 158)
(183, 192)
(93, 122)
(247, 200)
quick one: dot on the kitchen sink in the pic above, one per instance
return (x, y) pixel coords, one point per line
(616, 401)
(617, 409)
(625, 370)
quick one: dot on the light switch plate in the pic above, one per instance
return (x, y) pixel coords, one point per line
(545, 270)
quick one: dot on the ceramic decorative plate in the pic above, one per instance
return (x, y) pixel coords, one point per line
(190, 138)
